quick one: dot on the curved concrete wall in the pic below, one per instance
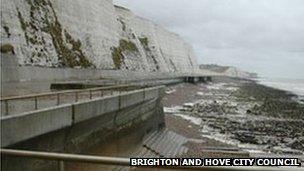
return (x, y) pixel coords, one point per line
(29, 125)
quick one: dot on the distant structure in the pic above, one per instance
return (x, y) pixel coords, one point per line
(228, 71)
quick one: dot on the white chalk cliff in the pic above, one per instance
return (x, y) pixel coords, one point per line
(90, 34)
(228, 71)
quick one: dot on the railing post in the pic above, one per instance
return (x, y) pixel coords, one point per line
(76, 96)
(90, 94)
(6, 107)
(36, 103)
(58, 99)
(61, 165)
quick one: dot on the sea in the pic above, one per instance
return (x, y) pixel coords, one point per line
(292, 85)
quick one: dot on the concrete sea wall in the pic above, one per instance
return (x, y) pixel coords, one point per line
(16, 128)
(12, 72)
(77, 127)
(35, 79)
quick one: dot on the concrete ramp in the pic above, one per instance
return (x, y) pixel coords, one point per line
(164, 143)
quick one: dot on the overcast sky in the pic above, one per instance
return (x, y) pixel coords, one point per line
(264, 36)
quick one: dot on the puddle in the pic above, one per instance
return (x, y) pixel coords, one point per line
(172, 110)
(194, 120)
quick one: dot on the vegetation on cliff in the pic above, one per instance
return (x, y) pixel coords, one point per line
(44, 35)
(43, 19)
(7, 48)
(145, 43)
(125, 47)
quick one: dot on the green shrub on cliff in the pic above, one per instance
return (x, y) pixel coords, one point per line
(125, 46)
(7, 48)
(68, 49)
(117, 57)
(128, 46)
(144, 41)
(145, 44)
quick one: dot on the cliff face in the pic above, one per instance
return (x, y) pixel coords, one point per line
(228, 71)
(90, 34)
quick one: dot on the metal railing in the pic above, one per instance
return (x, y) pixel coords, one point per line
(5, 102)
(63, 157)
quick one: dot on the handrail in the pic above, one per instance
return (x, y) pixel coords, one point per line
(62, 92)
(126, 161)
(35, 105)
(69, 91)
(67, 157)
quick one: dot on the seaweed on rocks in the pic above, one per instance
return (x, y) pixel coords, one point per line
(251, 116)
(274, 102)
(261, 92)
(280, 108)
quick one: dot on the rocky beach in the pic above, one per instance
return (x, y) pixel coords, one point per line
(89, 85)
(231, 113)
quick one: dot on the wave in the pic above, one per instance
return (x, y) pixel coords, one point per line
(295, 86)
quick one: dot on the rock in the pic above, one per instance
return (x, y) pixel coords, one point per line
(297, 144)
(246, 137)
(287, 140)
